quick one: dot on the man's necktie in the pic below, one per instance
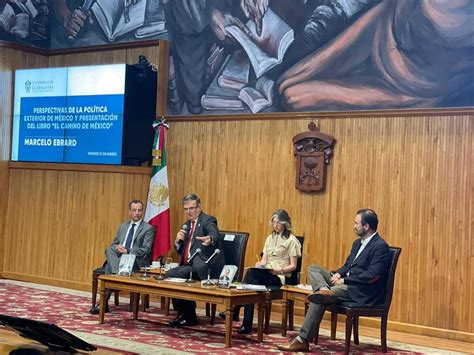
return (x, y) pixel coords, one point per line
(188, 244)
(128, 242)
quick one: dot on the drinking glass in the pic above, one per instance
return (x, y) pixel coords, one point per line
(168, 262)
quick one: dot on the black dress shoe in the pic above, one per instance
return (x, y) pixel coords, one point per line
(175, 322)
(235, 316)
(245, 329)
(96, 309)
(186, 322)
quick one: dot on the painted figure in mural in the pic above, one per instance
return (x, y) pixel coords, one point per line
(402, 54)
(399, 54)
(194, 26)
(92, 22)
(25, 21)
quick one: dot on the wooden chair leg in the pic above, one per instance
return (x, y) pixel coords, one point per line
(145, 299)
(116, 298)
(383, 333)
(163, 303)
(333, 325)
(208, 309)
(268, 312)
(167, 305)
(356, 330)
(132, 297)
(349, 321)
(291, 314)
(213, 313)
(95, 283)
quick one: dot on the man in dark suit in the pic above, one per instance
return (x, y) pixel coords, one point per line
(198, 233)
(133, 237)
(360, 280)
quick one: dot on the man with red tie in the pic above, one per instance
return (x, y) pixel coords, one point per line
(197, 241)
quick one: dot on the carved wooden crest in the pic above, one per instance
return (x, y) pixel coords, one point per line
(313, 150)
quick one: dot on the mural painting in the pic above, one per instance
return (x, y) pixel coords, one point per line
(250, 56)
(25, 22)
(79, 23)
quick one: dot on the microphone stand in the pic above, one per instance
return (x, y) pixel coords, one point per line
(190, 280)
(161, 276)
(190, 263)
(208, 282)
(145, 275)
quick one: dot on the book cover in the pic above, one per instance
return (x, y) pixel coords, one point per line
(227, 275)
(267, 50)
(126, 264)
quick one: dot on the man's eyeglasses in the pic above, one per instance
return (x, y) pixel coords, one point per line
(190, 209)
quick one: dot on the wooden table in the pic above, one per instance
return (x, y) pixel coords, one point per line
(290, 295)
(188, 291)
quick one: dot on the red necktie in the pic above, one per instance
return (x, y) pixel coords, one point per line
(188, 243)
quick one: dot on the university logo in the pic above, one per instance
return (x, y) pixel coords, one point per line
(28, 86)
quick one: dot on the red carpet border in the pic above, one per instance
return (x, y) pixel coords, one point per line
(70, 312)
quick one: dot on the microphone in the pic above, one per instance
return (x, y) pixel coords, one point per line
(185, 228)
(194, 255)
(216, 252)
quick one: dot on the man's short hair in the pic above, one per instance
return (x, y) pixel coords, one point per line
(368, 216)
(192, 197)
(134, 202)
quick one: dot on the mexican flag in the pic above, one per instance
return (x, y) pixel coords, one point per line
(158, 204)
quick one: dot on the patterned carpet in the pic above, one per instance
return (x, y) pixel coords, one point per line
(151, 334)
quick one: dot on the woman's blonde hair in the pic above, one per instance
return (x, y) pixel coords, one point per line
(285, 220)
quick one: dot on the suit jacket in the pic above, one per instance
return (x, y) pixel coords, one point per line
(142, 242)
(368, 273)
(205, 225)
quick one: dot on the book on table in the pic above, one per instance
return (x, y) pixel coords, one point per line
(126, 264)
(227, 275)
(267, 50)
(250, 287)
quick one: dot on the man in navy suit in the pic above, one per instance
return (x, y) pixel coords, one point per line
(201, 233)
(360, 280)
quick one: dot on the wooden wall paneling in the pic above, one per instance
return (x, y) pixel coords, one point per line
(10, 60)
(415, 172)
(129, 56)
(59, 222)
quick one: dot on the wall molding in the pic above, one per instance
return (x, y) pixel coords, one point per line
(428, 112)
(86, 49)
(142, 170)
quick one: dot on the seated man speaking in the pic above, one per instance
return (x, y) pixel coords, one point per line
(133, 237)
(360, 280)
(198, 239)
